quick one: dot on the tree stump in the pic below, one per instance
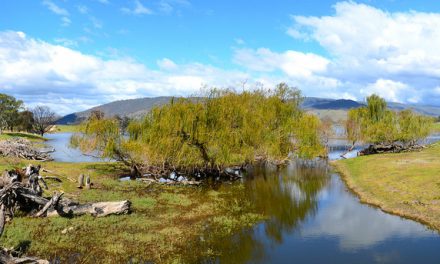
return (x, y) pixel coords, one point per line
(81, 181)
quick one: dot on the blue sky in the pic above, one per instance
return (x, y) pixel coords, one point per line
(76, 54)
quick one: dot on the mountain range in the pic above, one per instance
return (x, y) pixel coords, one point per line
(135, 108)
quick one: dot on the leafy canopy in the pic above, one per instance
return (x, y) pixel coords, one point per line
(219, 129)
(376, 124)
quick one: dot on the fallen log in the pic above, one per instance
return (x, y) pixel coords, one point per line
(69, 208)
(170, 182)
(52, 202)
(390, 148)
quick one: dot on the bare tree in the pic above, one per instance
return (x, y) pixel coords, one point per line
(44, 118)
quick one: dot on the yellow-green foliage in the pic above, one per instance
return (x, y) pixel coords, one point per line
(376, 124)
(222, 128)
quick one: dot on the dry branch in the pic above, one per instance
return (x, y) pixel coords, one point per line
(22, 148)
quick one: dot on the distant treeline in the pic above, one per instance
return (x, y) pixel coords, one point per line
(376, 124)
(225, 128)
(14, 116)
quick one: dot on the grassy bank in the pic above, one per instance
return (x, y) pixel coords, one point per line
(406, 184)
(32, 137)
(437, 127)
(164, 226)
(65, 129)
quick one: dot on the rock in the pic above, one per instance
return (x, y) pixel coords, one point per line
(162, 180)
(173, 175)
(181, 178)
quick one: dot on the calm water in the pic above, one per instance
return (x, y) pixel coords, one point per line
(313, 219)
(60, 142)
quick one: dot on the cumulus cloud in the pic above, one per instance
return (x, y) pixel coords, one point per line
(291, 62)
(68, 80)
(379, 51)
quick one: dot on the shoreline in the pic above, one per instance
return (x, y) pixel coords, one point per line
(364, 198)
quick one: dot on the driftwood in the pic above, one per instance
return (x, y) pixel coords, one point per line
(391, 148)
(26, 195)
(69, 208)
(6, 256)
(170, 182)
(22, 148)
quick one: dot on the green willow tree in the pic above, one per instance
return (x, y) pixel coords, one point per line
(376, 124)
(209, 133)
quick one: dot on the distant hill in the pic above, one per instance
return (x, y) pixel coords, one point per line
(330, 104)
(135, 108)
(132, 108)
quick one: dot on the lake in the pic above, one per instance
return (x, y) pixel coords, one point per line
(313, 218)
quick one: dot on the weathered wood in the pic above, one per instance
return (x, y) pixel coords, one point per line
(88, 182)
(22, 148)
(99, 209)
(52, 202)
(7, 258)
(391, 148)
(81, 181)
(186, 182)
(2, 218)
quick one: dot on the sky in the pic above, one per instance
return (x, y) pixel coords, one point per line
(73, 55)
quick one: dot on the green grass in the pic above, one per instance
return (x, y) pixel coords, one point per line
(165, 223)
(66, 128)
(437, 127)
(29, 136)
(406, 184)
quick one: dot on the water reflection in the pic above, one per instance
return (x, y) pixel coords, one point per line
(287, 195)
(63, 153)
(314, 219)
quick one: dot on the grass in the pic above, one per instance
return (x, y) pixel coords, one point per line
(405, 184)
(29, 136)
(66, 128)
(437, 127)
(166, 222)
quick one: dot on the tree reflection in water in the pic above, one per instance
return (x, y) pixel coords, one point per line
(287, 196)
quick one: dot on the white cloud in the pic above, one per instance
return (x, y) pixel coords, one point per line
(68, 80)
(96, 22)
(55, 8)
(170, 6)
(83, 9)
(291, 62)
(65, 20)
(369, 46)
(66, 42)
(239, 41)
(166, 64)
(138, 9)
(390, 90)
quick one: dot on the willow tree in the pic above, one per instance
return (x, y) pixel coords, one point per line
(207, 134)
(375, 124)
